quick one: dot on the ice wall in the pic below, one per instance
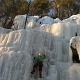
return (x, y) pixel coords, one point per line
(67, 71)
(19, 21)
(18, 46)
(17, 49)
(73, 19)
(4, 31)
(31, 21)
(15, 65)
(63, 30)
(27, 43)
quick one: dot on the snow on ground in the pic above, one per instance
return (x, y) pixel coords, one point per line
(18, 47)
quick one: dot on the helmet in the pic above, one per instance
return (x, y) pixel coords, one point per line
(39, 54)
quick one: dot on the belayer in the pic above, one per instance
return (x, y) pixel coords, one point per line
(38, 63)
(75, 55)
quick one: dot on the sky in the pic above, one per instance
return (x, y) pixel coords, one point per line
(52, 37)
(29, 0)
(33, 0)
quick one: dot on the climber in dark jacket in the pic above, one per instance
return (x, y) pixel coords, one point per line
(39, 63)
(75, 56)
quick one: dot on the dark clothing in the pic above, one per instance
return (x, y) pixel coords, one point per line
(75, 56)
(10, 24)
(38, 64)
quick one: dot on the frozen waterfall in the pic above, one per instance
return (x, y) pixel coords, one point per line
(18, 47)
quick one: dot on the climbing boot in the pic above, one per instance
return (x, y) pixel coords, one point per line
(40, 76)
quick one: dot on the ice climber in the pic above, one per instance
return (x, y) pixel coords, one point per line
(75, 56)
(38, 63)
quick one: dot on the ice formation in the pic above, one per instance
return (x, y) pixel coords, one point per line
(18, 47)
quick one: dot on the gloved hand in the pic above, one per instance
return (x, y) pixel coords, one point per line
(44, 55)
(34, 57)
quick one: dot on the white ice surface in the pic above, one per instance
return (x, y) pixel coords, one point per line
(17, 49)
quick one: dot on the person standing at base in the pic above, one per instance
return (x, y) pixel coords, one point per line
(38, 63)
(75, 56)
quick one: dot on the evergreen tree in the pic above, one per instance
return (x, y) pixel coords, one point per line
(63, 8)
(56, 6)
(39, 6)
(68, 8)
(22, 7)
